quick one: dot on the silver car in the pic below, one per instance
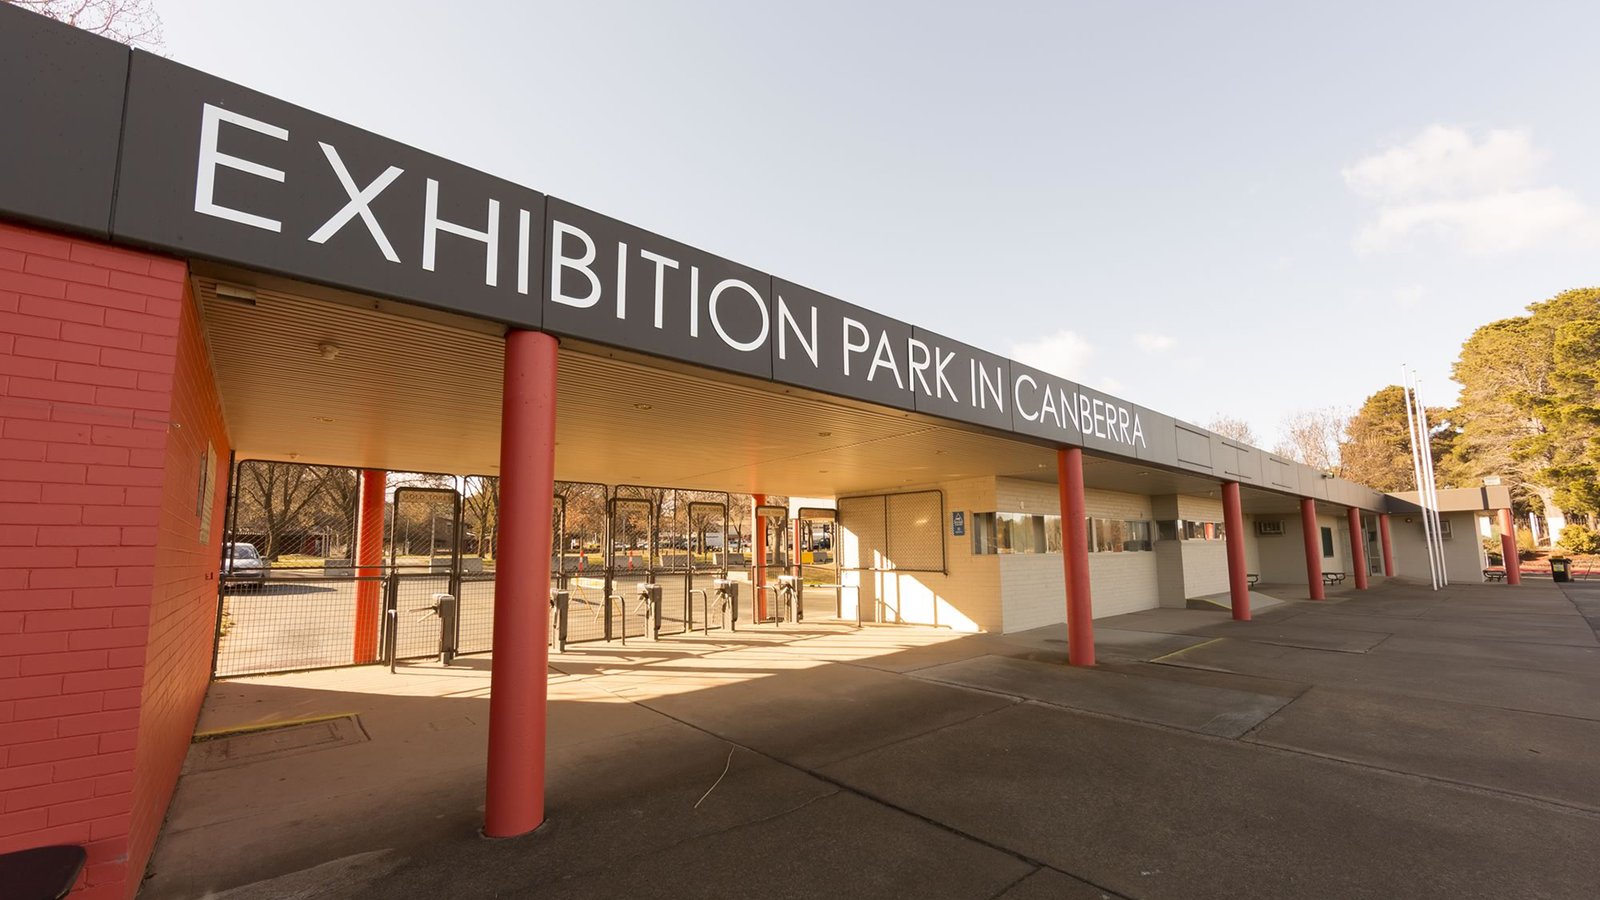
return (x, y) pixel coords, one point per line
(242, 566)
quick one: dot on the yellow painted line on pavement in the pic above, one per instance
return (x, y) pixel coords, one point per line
(231, 730)
(1187, 649)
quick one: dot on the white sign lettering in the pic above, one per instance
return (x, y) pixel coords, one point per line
(205, 183)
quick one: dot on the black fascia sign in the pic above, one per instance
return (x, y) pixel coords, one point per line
(61, 109)
(214, 170)
(1109, 423)
(1044, 405)
(609, 282)
(958, 381)
(839, 348)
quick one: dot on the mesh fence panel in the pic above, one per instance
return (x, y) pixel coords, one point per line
(475, 632)
(287, 623)
(582, 563)
(865, 532)
(289, 587)
(416, 633)
(893, 531)
(915, 526)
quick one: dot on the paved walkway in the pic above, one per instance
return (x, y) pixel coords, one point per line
(1392, 743)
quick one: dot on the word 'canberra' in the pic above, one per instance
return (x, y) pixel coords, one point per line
(1049, 404)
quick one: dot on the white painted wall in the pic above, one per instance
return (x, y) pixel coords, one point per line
(1120, 582)
(1463, 552)
(1281, 559)
(1033, 585)
(1252, 544)
(1205, 563)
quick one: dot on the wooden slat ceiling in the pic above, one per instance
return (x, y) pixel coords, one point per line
(412, 390)
(410, 394)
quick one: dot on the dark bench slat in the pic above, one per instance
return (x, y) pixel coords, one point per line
(41, 873)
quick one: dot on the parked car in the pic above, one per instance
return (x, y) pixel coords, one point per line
(242, 566)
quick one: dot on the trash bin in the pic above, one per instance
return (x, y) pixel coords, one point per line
(1560, 568)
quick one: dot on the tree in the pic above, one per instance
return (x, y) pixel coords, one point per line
(277, 499)
(335, 511)
(1313, 437)
(1529, 407)
(1232, 429)
(133, 22)
(1376, 450)
(480, 507)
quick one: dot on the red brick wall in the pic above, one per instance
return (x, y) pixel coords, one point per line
(183, 604)
(89, 346)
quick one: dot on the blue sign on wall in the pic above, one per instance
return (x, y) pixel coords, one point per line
(958, 523)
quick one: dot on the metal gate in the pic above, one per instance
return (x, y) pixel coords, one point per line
(424, 561)
(289, 595)
(578, 565)
(764, 578)
(477, 552)
(816, 560)
(706, 517)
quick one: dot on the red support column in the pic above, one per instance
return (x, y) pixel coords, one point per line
(799, 554)
(758, 601)
(369, 563)
(1508, 548)
(1075, 557)
(1313, 536)
(1233, 523)
(1358, 549)
(1388, 546)
(518, 685)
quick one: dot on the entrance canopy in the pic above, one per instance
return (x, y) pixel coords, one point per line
(318, 375)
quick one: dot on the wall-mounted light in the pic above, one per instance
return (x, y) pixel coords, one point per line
(237, 294)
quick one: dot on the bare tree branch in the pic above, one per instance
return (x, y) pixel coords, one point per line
(1233, 429)
(132, 22)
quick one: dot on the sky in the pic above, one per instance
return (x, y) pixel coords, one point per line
(1246, 209)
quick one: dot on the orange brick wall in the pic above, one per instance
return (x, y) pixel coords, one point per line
(98, 601)
(183, 604)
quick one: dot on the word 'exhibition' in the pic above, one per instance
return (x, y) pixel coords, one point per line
(867, 353)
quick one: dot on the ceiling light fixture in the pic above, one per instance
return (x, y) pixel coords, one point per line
(328, 350)
(238, 294)
(642, 406)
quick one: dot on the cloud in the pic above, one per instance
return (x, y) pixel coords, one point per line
(1479, 196)
(1493, 223)
(1409, 296)
(1064, 353)
(1445, 162)
(1153, 343)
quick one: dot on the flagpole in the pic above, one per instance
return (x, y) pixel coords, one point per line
(1416, 475)
(1433, 485)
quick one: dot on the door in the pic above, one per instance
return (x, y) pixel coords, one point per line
(424, 561)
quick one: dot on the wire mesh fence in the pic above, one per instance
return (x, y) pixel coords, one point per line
(291, 621)
(313, 598)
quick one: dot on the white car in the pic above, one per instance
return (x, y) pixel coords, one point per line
(243, 566)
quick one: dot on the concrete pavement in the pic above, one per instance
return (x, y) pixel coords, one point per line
(1396, 743)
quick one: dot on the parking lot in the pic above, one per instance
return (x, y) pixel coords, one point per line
(1399, 743)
